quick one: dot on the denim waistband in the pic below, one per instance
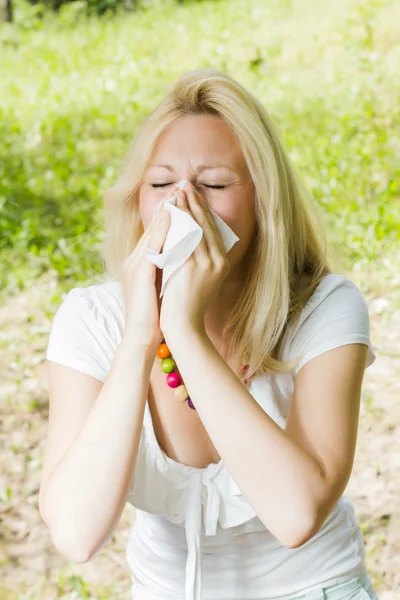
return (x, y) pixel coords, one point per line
(336, 591)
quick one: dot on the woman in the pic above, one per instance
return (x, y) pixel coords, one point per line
(237, 474)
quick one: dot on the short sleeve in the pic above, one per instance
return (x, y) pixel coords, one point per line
(336, 314)
(78, 337)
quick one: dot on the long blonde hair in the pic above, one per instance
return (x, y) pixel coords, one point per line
(288, 255)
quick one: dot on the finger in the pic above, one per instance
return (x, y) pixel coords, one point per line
(158, 230)
(182, 204)
(157, 212)
(149, 239)
(172, 190)
(202, 214)
(147, 232)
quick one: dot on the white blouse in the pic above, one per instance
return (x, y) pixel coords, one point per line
(195, 535)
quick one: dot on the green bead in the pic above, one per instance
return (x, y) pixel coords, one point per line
(168, 364)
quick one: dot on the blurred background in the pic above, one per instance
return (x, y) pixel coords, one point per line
(76, 79)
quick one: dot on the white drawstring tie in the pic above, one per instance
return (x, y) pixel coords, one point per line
(193, 501)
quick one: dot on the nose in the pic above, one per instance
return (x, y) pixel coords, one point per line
(174, 188)
(171, 190)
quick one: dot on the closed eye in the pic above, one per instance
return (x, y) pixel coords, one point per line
(214, 187)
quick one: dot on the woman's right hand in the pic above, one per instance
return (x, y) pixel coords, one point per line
(142, 284)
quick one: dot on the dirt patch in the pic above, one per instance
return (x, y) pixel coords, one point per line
(31, 566)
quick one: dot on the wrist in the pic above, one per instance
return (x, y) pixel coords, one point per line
(183, 333)
(137, 349)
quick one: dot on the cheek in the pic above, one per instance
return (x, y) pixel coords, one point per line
(149, 200)
(239, 214)
(147, 203)
(243, 223)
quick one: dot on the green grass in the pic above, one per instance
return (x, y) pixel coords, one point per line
(73, 91)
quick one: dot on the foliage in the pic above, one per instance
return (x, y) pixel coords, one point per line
(76, 86)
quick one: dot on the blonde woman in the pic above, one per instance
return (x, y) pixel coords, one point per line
(238, 472)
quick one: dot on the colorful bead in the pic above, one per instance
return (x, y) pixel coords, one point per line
(181, 393)
(173, 379)
(163, 351)
(168, 364)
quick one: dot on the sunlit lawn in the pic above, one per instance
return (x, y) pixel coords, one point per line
(76, 93)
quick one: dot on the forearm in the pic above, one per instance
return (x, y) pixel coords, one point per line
(280, 480)
(87, 491)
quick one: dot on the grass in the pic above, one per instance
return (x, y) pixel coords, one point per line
(76, 89)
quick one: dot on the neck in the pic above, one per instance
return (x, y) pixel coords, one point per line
(221, 308)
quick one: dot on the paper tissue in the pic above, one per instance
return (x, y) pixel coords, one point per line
(183, 236)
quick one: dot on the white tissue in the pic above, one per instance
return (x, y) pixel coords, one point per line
(183, 236)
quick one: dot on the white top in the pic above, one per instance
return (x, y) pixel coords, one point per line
(195, 535)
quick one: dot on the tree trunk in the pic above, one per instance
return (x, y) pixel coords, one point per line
(129, 5)
(57, 4)
(6, 10)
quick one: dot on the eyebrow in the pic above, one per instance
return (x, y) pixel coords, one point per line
(199, 168)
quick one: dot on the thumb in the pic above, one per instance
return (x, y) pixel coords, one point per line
(158, 230)
(155, 234)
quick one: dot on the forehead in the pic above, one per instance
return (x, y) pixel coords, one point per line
(202, 139)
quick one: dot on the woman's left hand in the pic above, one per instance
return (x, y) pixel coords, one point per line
(195, 284)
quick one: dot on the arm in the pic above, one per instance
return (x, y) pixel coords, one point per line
(292, 478)
(83, 498)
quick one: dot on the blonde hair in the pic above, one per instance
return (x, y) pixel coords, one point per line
(288, 254)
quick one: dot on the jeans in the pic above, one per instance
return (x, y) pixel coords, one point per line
(357, 588)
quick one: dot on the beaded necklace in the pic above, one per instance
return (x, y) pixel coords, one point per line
(174, 380)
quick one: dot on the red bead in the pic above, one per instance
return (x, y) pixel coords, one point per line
(173, 379)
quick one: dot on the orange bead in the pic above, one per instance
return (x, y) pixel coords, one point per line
(163, 351)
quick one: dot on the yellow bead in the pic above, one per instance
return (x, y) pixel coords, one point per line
(181, 393)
